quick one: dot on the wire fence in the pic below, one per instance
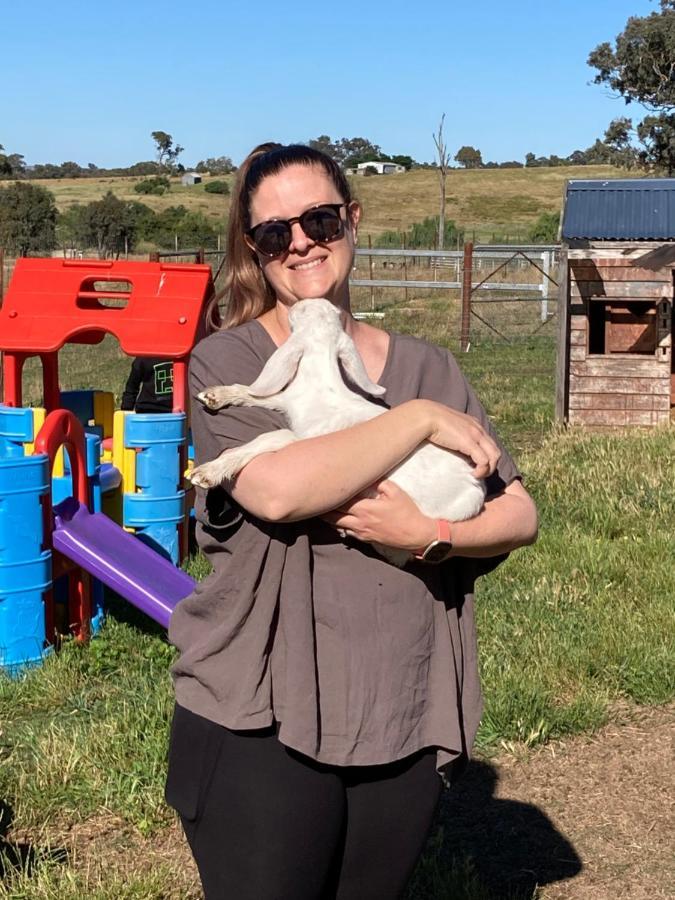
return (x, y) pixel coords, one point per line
(498, 292)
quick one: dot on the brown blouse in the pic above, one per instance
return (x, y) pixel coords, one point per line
(358, 661)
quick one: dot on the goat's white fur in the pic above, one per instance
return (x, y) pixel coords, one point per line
(302, 379)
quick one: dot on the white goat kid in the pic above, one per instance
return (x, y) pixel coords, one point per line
(302, 379)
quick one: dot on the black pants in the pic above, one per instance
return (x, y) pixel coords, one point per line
(266, 823)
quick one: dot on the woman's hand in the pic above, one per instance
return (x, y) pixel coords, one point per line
(389, 517)
(462, 433)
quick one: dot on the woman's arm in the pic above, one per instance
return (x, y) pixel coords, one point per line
(507, 521)
(312, 476)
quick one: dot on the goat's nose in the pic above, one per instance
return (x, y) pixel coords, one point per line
(299, 240)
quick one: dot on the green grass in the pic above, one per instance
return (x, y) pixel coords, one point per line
(570, 630)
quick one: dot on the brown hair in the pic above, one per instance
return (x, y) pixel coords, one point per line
(246, 291)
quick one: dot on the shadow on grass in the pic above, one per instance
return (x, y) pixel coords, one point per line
(123, 611)
(21, 857)
(513, 848)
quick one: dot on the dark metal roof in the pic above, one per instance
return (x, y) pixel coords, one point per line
(631, 209)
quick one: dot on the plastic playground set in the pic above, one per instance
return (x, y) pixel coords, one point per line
(91, 496)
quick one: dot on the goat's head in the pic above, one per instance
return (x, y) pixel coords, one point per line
(318, 319)
(319, 322)
(314, 323)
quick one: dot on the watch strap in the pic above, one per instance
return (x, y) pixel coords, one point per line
(442, 537)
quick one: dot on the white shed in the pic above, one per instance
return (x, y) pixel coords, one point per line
(191, 178)
(383, 167)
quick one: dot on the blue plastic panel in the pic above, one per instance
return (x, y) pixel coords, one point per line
(80, 403)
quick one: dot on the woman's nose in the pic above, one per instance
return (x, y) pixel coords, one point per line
(299, 240)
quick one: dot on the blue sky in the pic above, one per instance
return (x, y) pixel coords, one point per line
(89, 81)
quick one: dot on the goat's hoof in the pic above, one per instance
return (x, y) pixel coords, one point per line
(203, 477)
(210, 398)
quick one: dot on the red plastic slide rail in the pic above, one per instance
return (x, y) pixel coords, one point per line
(62, 429)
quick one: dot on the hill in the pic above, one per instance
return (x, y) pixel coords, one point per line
(492, 203)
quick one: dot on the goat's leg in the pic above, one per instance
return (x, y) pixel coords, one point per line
(231, 462)
(235, 395)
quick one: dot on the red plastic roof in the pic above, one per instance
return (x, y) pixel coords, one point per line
(52, 302)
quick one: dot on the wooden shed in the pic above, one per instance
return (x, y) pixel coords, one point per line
(616, 365)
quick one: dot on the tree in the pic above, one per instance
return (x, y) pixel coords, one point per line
(106, 224)
(17, 164)
(5, 166)
(216, 165)
(348, 152)
(442, 151)
(641, 65)
(403, 160)
(167, 152)
(618, 138)
(27, 218)
(217, 187)
(159, 185)
(657, 135)
(545, 229)
(326, 145)
(469, 157)
(358, 150)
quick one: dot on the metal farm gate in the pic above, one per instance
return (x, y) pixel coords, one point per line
(503, 292)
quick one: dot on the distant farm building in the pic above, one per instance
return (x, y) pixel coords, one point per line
(616, 365)
(382, 167)
(191, 178)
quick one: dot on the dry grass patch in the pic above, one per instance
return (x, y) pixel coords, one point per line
(481, 199)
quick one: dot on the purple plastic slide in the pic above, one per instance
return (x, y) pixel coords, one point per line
(120, 560)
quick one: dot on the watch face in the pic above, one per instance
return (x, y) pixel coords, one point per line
(437, 551)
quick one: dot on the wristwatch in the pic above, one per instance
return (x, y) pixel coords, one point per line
(439, 549)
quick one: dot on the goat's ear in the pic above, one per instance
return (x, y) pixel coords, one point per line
(279, 369)
(353, 366)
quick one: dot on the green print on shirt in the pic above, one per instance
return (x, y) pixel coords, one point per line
(163, 378)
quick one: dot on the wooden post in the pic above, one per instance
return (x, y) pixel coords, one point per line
(153, 256)
(370, 273)
(546, 284)
(465, 333)
(563, 341)
(200, 256)
(405, 268)
(2, 274)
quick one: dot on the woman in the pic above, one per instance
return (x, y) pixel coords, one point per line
(320, 690)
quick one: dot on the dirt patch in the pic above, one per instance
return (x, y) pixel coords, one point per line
(588, 818)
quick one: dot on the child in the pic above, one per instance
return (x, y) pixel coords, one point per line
(149, 387)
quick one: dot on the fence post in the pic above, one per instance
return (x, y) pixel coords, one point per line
(546, 284)
(370, 272)
(153, 256)
(2, 274)
(405, 268)
(464, 339)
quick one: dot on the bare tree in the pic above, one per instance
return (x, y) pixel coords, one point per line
(442, 151)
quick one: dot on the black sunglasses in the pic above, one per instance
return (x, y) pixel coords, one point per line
(321, 223)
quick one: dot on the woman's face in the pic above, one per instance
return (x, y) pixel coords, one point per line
(307, 269)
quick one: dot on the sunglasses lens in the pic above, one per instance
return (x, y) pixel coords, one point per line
(272, 238)
(321, 224)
